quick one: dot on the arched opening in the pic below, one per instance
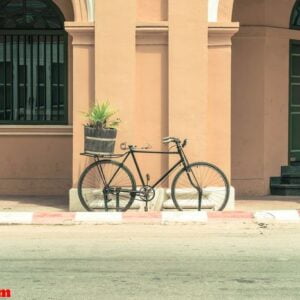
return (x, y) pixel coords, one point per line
(265, 97)
(33, 63)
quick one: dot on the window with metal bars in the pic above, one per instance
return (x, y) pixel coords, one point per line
(33, 65)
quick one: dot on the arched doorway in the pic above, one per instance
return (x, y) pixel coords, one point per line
(33, 63)
(294, 103)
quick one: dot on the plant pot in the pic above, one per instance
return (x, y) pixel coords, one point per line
(99, 141)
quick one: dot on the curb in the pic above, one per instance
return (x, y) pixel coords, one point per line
(165, 217)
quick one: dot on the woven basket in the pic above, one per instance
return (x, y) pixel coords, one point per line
(99, 141)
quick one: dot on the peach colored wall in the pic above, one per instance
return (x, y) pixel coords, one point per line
(151, 104)
(225, 10)
(152, 10)
(263, 12)
(83, 87)
(38, 163)
(66, 8)
(115, 60)
(260, 96)
(35, 165)
(219, 96)
(188, 62)
(248, 115)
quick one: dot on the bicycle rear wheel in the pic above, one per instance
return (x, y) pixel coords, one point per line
(202, 185)
(102, 182)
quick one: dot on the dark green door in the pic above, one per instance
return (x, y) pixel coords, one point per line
(294, 110)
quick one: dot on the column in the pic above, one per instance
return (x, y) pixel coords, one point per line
(115, 60)
(188, 74)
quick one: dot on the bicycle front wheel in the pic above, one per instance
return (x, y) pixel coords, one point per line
(106, 185)
(202, 185)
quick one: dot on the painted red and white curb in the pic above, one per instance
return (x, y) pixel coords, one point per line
(164, 217)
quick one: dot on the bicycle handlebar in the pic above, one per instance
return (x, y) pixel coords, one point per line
(175, 140)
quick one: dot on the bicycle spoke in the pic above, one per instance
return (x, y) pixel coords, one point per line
(214, 188)
(93, 191)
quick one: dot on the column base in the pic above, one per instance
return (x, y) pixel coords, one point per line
(161, 201)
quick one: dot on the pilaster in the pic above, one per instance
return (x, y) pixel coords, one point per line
(83, 86)
(188, 74)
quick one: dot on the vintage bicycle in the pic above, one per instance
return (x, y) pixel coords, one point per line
(107, 184)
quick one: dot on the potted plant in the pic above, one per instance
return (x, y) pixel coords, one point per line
(100, 132)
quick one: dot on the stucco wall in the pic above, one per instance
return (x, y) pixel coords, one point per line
(154, 10)
(37, 160)
(151, 104)
(66, 8)
(248, 114)
(274, 13)
(35, 165)
(219, 107)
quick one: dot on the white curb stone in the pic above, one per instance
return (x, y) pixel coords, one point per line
(16, 217)
(184, 217)
(99, 217)
(278, 215)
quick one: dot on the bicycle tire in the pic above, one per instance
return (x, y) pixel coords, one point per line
(89, 186)
(212, 181)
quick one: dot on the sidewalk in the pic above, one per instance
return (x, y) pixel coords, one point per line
(54, 210)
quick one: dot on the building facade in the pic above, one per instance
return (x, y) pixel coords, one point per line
(216, 72)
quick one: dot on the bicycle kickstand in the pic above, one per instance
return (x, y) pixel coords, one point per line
(118, 200)
(146, 206)
(199, 199)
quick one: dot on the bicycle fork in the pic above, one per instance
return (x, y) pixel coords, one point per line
(197, 187)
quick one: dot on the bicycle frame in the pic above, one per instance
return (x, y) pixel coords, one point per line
(132, 151)
(183, 160)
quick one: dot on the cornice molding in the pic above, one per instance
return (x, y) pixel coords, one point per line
(221, 36)
(152, 33)
(83, 33)
(265, 31)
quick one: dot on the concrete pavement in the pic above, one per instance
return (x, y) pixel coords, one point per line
(53, 210)
(55, 204)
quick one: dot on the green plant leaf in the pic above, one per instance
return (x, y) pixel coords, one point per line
(100, 115)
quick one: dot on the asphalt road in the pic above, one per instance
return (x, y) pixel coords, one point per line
(217, 261)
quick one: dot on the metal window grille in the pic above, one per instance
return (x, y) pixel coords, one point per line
(33, 63)
(33, 78)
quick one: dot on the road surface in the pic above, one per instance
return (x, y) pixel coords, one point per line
(213, 261)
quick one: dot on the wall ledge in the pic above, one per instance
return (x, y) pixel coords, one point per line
(152, 33)
(267, 32)
(221, 36)
(31, 130)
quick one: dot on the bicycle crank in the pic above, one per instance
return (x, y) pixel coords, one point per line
(147, 193)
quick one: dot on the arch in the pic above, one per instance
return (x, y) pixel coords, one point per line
(66, 7)
(225, 10)
(38, 14)
(80, 10)
(77, 10)
(295, 16)
(90, 10)
(213, 7)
